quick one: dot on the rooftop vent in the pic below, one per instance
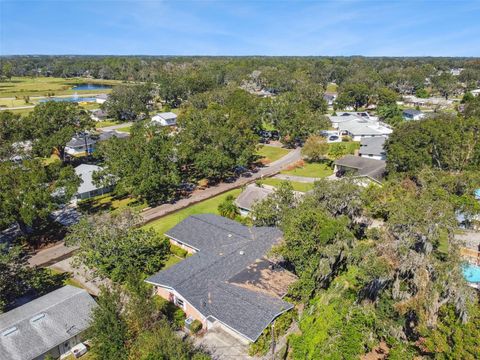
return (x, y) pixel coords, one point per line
(230, 235)
(37, 317)
(241, 252)
(9, 331)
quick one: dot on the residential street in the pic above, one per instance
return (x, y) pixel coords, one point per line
(200, 195)
(60, 252)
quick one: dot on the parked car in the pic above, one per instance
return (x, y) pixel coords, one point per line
(334, 138)
(274, 135)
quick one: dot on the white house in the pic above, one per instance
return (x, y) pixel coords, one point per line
(475, 92)
(88, 188)
(359, 129)
(100, 99)
(412, 114)
(52, 325)
(165, 119)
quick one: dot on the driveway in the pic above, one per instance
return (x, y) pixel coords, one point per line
(221, 345)
(200, 195)
(82, 275)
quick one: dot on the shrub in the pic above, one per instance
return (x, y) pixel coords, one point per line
(195, 326)
(177, 250)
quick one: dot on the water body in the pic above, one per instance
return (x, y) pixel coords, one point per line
(91, 87)
(471, 273)
(70, 99)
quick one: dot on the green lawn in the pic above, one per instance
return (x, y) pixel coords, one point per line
(69, 280)
(107, 202)
(40, 86)
(297, 186)
(332, 88)
(172, 260)
(126, 129)
(316, 170)
(210, 206)
(271, 153)
(105, 123)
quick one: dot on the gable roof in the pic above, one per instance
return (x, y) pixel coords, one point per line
(207, 280)
(371, 168)
(373, 145)
(251, 195)
(38, 326)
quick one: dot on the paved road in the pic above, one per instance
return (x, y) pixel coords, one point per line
(115, 127)
(51, 254)
(58, 252)
(200, 195)
(17, 107)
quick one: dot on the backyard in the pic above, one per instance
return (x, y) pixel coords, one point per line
(270, 154)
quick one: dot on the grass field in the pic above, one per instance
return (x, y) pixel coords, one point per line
(332, 88)
(126, 129)
(105, 123)
(68, 281)
(316, 170)
(40, 86)
(297, 186)
(208, 206)
(271, 153)
(107, 202)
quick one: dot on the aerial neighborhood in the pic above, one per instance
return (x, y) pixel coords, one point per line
(236, 207)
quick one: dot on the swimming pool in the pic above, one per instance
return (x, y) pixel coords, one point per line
(70, 99)
(91, 87)
(471, 273)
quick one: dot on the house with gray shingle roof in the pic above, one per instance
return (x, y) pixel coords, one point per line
(361, 168)
(251, 195)
(373, 148)
(50, 325)
(229, 281)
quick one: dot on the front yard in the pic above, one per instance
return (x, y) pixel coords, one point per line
(270, 154)
(306, 169)
(110, 203)
(297, 186)
(210, 206)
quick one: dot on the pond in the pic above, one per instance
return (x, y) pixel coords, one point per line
(73, 98)
(471, 273)
(91, 87)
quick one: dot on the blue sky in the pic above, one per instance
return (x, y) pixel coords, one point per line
(234, 27)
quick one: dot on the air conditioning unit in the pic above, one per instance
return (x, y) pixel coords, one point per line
(188, 322)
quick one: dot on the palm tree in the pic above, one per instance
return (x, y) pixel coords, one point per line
(228, 209)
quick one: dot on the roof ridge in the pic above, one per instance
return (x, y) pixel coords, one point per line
(78, 291)
(220, 227)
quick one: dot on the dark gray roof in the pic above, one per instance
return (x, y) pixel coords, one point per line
(374, 169)
(251, 195)
(42, 324)
(226, 248)
(373, 145)
(80, 141)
